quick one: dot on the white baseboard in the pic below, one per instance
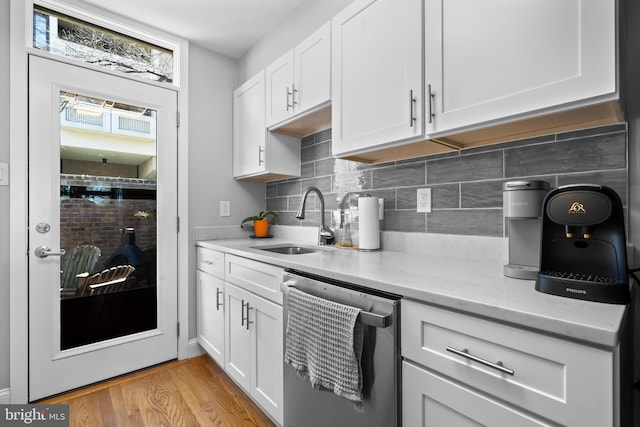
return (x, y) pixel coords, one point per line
(5, 396)
(194, 348)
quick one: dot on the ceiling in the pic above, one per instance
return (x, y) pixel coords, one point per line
(229, 27)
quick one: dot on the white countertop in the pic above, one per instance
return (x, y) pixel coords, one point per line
(471, 286)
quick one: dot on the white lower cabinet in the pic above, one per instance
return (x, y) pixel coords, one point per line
(237, 336)
(240, 323)
(463, 370)
(210, 300)
(211, 315)
(253, 343)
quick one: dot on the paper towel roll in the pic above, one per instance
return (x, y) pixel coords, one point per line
(369, 223)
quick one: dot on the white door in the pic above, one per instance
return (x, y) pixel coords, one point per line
(237, 345)
(211, 315)
(279, 89)
(376, 79)
(249, 131)
(102, 174)
(313, 70)
(491, 60)
(266, 342)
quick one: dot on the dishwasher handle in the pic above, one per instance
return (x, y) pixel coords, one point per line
(366, 317)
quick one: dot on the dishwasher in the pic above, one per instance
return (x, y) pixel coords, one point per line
(305, 406)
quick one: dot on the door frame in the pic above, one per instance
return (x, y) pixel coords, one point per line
(19, 42)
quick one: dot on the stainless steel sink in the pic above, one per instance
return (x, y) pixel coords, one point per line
(288, 249)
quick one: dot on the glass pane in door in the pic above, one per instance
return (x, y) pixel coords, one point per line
(108, 156)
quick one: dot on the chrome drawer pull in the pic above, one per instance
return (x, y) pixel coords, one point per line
(465, 353)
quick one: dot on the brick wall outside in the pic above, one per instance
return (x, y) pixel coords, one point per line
(98, 221)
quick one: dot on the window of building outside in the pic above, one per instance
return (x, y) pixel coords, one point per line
(72, 38)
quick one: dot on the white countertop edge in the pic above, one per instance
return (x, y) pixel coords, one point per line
(469, 286)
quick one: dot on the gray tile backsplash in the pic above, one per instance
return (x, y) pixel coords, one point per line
(466, 186)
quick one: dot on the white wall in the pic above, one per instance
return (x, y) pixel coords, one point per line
(212, 78)
(292, 30)
(4, 197)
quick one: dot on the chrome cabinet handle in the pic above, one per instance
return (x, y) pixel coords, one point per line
(242, 314)
(431, 96)
(260, 151)
(289, 94)
(412, 103)
(218, 303)
(293, 94)
(242, 323)
(465, 353)
(208, 262)
(43, 252)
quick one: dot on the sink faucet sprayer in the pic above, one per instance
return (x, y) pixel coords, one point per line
(325, 234)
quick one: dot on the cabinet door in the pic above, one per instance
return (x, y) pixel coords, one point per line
(313, 71)
(377, 82)
(279, 82)
(267, 363)
(494, 59)
(211, 315)
(432, 401)
(237, 336)
(249, 130)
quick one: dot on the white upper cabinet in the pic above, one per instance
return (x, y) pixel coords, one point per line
(495, 60)
(377, 78)
(300, 81)
(258, 154)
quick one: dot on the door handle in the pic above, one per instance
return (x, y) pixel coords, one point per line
(245, 319)
(289, 94)
(260, 151)
(218, 303)
(43, 252)
(293, 95)
(431, 96)
(412, 103)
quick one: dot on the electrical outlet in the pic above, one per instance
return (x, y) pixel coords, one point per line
(424, 200)
(225, 208)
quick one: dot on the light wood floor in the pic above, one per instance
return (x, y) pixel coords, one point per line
(194, 392)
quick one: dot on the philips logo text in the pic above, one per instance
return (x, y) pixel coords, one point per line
(576, 291)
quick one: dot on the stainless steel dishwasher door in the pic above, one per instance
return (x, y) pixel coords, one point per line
(306, 407)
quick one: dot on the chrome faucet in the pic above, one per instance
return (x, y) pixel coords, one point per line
(325, 234)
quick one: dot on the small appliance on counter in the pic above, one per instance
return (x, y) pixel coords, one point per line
(522, 207)
(583, 246)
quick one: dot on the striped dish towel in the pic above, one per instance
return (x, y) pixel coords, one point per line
(323, 343)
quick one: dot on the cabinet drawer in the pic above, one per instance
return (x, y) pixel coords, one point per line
(257, 277)
(432, 401)
(567, 382)
(211, 262)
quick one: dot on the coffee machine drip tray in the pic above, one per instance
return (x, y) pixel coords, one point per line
(582, 277)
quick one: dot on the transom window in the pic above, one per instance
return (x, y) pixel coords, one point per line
(76, 39)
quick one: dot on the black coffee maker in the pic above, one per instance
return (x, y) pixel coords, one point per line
(583, 250)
